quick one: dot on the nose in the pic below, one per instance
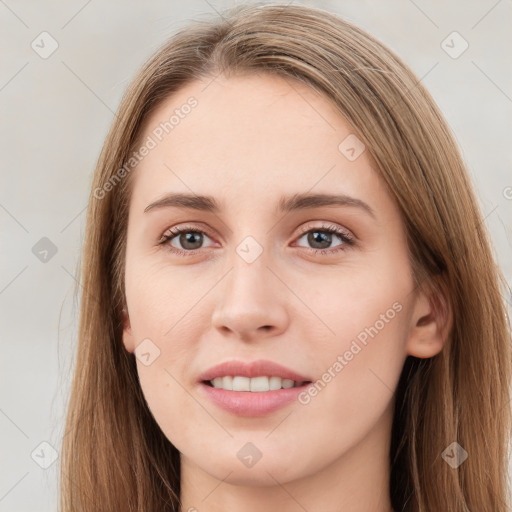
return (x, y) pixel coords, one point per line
(250, 304)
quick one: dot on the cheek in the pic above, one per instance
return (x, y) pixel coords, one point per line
(362, 348)
(358, 367)
(162, 301)
(362, 304)
(162, 310)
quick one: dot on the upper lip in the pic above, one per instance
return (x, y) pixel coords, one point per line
(258, 368)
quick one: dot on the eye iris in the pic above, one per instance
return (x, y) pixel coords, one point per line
(189, 237)
(323, 238)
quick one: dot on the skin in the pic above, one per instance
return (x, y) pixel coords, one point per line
(250, 140)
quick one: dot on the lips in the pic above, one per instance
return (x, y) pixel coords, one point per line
(255, 402)
(252, 369)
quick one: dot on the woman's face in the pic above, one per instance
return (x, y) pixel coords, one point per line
(261, 277)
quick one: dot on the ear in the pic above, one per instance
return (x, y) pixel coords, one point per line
(431, 322)
(128, 339)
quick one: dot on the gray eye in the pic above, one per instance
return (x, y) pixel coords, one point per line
(321, 237)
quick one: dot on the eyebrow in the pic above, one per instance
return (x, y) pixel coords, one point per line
(286, 204)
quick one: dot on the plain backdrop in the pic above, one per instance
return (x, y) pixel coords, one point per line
(64, 67)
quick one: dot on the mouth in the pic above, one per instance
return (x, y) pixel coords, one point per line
(254, 388)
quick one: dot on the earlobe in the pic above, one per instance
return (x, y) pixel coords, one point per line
(430, 324)
(127, 333)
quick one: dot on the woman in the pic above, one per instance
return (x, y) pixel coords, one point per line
(334, 336)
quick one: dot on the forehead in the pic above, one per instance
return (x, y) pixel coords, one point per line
(249, 137)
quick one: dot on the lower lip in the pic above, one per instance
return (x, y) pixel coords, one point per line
(252, 403)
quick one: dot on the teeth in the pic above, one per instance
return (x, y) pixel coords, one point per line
(275, 383)
(256, 384)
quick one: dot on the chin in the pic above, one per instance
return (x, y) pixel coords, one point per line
(258, 476)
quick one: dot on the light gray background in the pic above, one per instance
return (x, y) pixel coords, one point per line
(56, 113)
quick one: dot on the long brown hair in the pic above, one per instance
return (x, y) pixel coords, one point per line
(114, 455)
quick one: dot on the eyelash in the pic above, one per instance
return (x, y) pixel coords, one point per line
(346, 238)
